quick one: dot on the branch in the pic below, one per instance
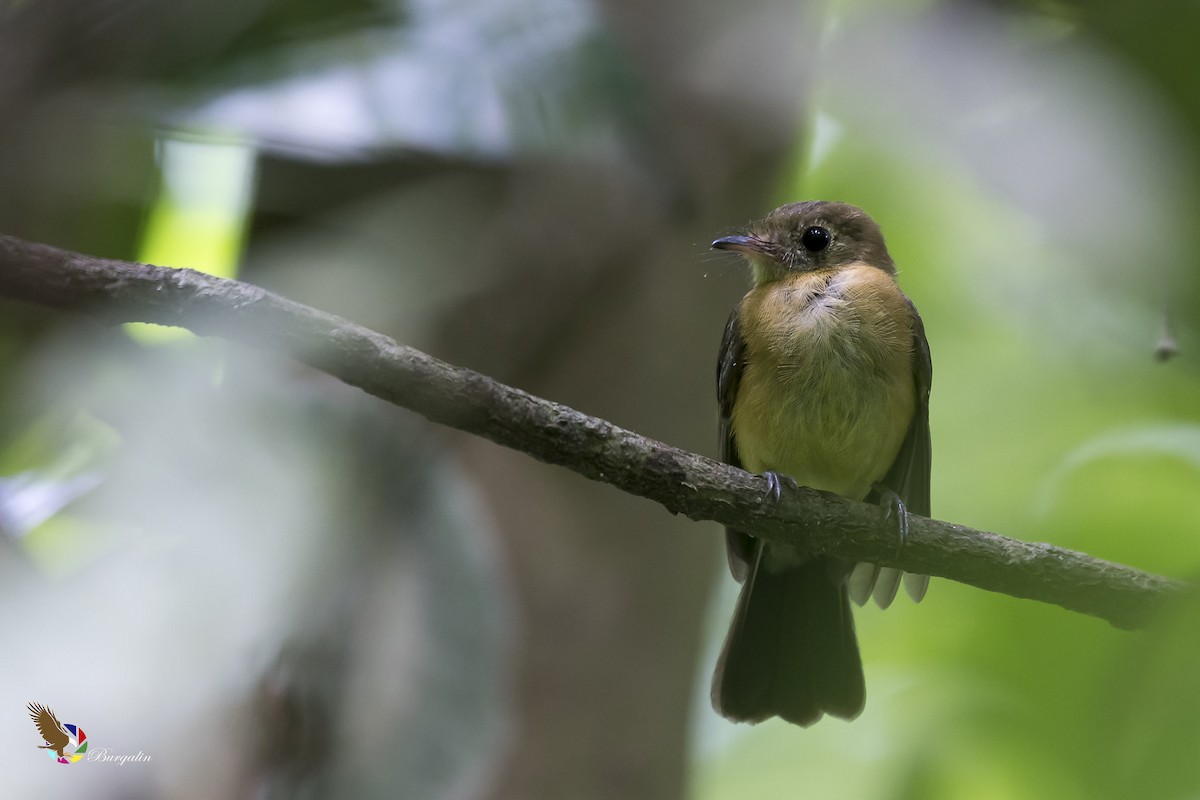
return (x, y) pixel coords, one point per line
(683, 482)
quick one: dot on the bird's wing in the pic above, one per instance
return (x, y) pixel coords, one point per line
(48, 726)
(730, 363)
(908, 476)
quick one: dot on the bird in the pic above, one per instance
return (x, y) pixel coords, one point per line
(51, 730)
(823, 380)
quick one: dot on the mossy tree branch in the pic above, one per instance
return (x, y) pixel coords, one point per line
(683, 482)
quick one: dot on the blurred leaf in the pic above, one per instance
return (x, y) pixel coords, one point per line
(27, 500)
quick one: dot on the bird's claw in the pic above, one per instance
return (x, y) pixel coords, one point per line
(894, 514)
(775, 483)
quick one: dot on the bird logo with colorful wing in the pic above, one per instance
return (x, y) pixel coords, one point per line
(67, 743)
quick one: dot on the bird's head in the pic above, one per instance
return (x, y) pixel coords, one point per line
(802, 237)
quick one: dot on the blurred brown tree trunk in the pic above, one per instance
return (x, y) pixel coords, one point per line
(611, 592)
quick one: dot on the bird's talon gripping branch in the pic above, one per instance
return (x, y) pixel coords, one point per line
(776, 482)
(894, 514)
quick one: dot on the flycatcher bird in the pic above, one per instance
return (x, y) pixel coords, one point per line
(823, 380)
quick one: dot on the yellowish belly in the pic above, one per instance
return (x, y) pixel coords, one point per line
(827, 391)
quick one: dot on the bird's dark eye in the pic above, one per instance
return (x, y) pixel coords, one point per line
(815, 239)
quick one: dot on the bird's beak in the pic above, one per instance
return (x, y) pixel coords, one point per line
(743, 244)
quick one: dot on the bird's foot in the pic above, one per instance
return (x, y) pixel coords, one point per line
(775, 483)
(895, 515)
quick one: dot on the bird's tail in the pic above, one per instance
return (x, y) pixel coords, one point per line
(791, 650)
